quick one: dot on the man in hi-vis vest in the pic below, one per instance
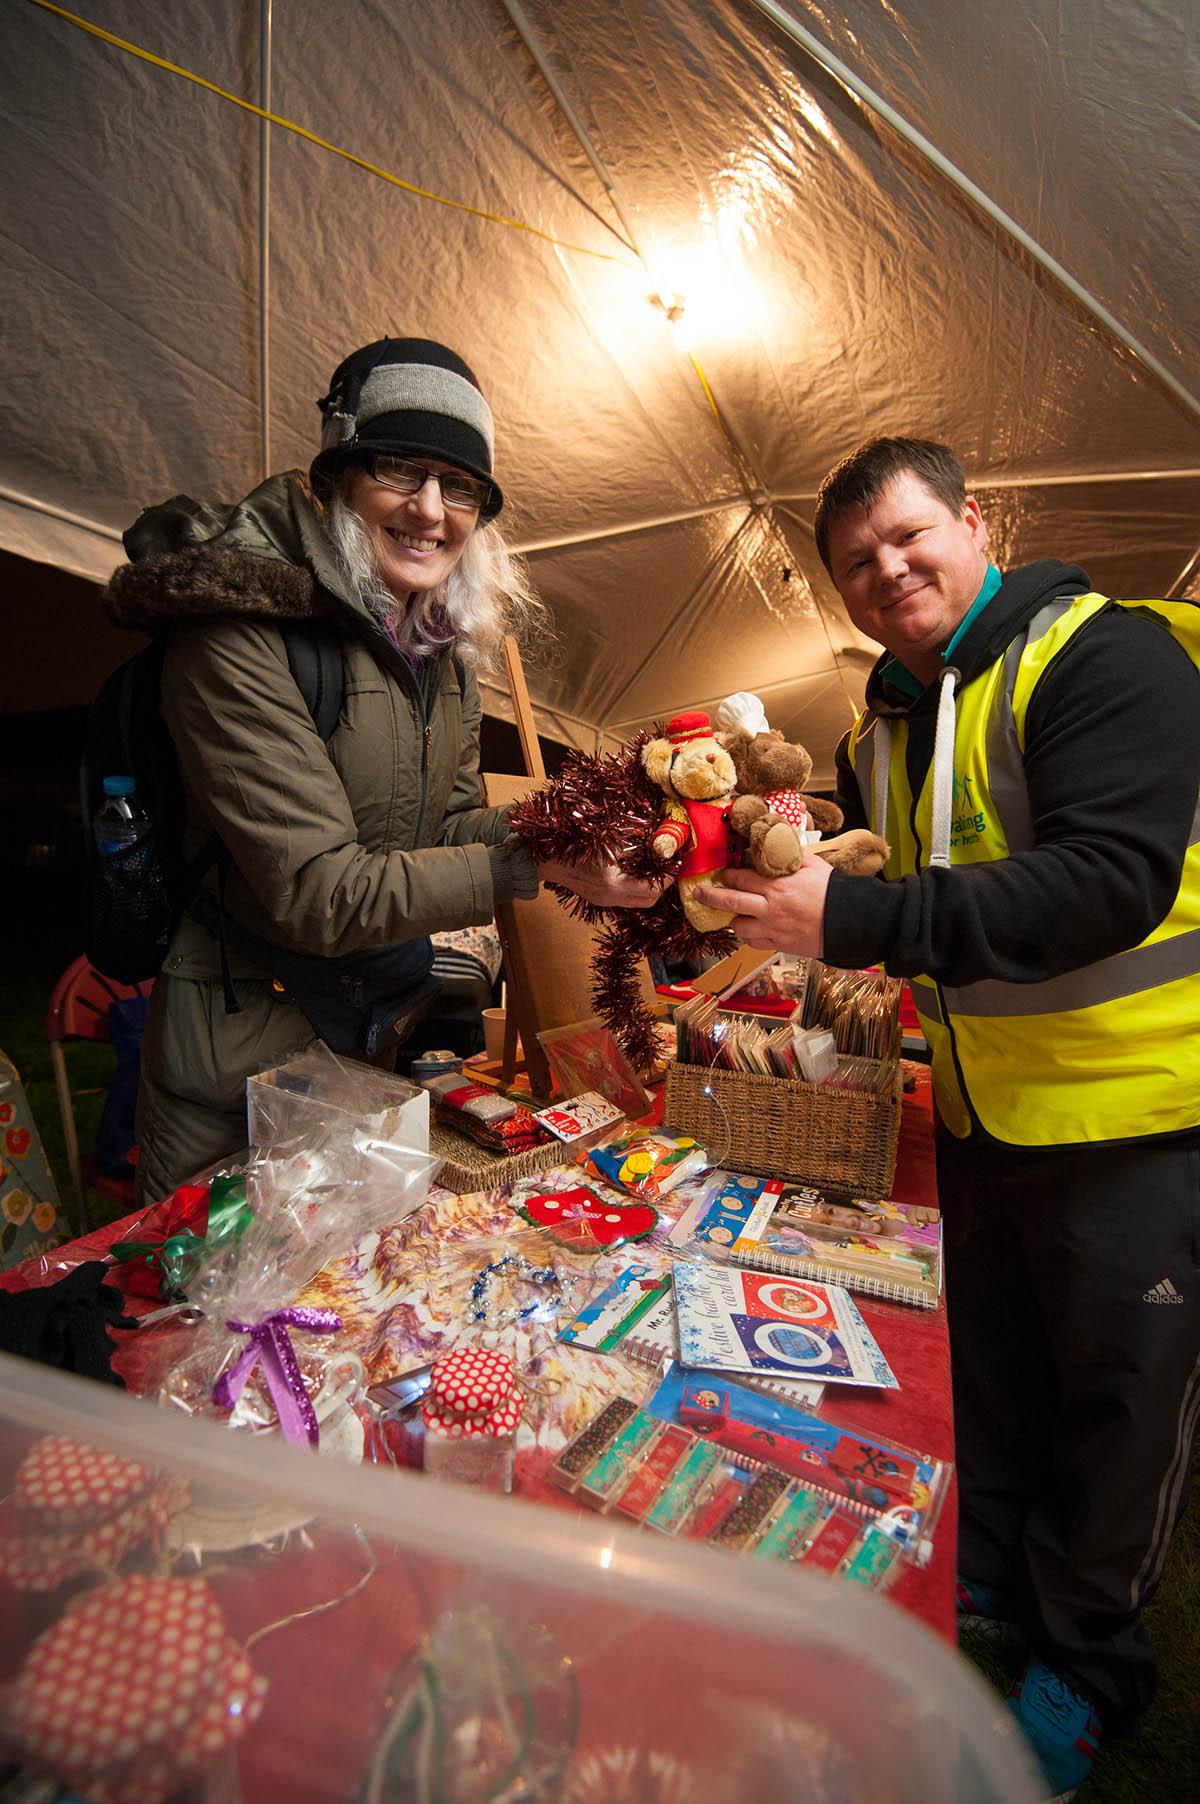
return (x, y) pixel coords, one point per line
(1031, 752)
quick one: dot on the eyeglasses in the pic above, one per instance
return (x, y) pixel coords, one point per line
(407, 476)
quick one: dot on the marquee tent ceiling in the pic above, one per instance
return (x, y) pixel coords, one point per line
(834, 282)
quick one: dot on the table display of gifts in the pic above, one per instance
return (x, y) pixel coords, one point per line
(634, 1327)
(492, 1120)
(348, 1274)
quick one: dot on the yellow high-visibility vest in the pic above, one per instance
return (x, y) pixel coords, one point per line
(1107, 1052)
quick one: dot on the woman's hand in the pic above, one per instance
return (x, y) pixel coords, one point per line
(603, 885)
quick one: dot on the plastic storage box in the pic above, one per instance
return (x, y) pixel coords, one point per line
(363, 1633)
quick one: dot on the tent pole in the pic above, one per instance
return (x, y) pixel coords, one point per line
(706, 577)
(875, 103)
(59, 513)
(546, 714)
(1176, 590)
(264, 240)
(528, 548)
(622, 727)
(1083, 480)
(528, 37)
(747, 474)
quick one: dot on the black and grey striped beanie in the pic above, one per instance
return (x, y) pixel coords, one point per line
(413, 397)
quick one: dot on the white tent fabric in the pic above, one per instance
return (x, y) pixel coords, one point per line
(833, 283)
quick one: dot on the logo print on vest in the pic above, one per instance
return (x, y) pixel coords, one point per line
(969, 823)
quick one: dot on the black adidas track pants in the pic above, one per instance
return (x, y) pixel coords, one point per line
(1073, 1290)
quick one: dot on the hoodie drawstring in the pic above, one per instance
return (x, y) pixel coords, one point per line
(883, 759)
(943, 772)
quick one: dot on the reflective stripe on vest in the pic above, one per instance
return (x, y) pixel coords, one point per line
(1107, 1052)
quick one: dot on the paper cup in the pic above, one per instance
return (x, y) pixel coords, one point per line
(493, 1033)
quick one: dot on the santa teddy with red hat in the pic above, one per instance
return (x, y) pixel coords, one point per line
(697, 776)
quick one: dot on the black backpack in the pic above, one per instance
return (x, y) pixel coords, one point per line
(134, 897)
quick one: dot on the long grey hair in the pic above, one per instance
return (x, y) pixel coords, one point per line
(486, 595)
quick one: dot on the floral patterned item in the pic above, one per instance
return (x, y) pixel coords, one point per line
(31, 1218)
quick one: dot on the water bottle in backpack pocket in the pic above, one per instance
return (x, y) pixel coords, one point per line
(133, 806)
(121, 822)
(130, 914)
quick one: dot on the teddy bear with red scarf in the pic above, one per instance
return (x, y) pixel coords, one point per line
(738, 794)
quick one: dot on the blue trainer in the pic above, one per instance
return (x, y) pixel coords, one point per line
(988, 1621)
(1062, 1727)
(973, 1599)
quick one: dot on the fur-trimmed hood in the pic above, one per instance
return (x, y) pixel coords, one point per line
(267, 558)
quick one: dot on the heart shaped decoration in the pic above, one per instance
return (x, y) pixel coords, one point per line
(579, 1218)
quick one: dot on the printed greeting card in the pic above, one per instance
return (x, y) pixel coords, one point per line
(733, 1320)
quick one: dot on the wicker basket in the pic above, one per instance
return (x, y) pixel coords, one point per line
(778, 1127)
(468, 1167)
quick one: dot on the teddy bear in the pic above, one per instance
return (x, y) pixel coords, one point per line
(696, 774)
(603, 808)
(770, 808)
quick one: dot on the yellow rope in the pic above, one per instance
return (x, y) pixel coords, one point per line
(459, 206)
(384, 175)
(708, 393)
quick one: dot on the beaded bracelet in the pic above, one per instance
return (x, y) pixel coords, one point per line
(520, 1267)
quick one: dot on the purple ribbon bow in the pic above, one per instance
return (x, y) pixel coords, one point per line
(270, 1342)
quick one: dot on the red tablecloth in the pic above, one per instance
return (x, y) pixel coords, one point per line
(919, 1414)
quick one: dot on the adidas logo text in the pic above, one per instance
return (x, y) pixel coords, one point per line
(1163, 1292)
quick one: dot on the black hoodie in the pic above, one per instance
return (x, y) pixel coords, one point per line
(1112, 763)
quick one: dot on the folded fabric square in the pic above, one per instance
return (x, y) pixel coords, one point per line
(135, 1690)
(77, 1509)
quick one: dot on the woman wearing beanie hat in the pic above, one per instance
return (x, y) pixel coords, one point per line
(342, 842)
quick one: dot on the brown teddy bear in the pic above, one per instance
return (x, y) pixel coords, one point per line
(696, 774)
(770, 806)
(603, 808)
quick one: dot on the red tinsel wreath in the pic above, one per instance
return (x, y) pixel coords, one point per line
(602, 809)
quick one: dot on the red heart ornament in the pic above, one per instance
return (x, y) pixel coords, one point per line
(579, 1218)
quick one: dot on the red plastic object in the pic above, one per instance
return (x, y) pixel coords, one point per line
(79, 1011)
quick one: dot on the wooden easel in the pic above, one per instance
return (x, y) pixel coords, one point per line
(547, 952)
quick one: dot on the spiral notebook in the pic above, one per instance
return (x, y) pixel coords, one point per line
(748, 1321)
(903, 1265)
(880, 1249)
(635, 1316)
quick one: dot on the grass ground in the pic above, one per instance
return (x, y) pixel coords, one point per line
(1160, 1761)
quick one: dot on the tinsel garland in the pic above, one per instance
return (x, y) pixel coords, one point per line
(603, 809)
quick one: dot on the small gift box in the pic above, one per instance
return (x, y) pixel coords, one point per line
(134, 1691)
(352, 1112)
(78, 1510)
(254, 1357)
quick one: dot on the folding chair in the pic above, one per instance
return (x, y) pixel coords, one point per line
(79, 1011)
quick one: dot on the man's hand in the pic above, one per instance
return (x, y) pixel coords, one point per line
(602, 884)
(776, 914)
